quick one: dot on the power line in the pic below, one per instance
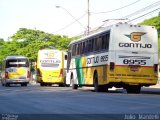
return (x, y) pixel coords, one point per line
(100, 27)
(66, 26)
(70, 15)
(116, 9)
(130, 15)
(143, 9)
(143, 15)
(151, 6)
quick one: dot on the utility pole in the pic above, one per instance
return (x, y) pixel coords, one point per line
(88, 27)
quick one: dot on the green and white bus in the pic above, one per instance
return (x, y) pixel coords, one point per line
(122, 55)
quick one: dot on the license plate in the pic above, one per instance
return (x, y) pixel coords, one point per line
(134, 68)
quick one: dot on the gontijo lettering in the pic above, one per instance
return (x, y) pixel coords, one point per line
(135, 45)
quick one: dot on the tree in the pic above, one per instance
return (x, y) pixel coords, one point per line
(155, 21)
(27, 42)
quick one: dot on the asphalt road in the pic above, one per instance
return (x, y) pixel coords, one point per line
(36, 100)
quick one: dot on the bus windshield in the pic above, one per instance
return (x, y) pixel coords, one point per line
(17, 63)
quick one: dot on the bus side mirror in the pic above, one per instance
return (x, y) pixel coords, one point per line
(65, 57)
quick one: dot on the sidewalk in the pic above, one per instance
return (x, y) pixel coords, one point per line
(157, 85)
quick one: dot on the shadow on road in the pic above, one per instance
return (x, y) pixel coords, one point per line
(149, 91)
(152, 91)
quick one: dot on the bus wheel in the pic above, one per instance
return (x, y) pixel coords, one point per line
(62, 85)
(24, 84)
(99, 88)
(133, 89)
(42, 84)
(74, 86)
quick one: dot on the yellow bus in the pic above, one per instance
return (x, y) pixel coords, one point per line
(51, 66)
(15, 70)
(121, 55)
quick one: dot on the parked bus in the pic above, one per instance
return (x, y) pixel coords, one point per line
(122, 55)
(51, 67)
(15, 70)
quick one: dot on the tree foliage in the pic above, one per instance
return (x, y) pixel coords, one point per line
(27, 42)
(155, 21)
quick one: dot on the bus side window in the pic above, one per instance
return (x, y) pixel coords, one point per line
(83, 47)
(80, 48)
(107, 36)
(86, 46)
(95, 44)
(103, 42)
(77, 51)
(100, 43)
(90, 45)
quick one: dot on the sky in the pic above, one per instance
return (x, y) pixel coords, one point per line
(70, 18)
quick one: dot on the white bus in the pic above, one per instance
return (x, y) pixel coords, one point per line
(122, 55)
(15, 70)
(51, 67)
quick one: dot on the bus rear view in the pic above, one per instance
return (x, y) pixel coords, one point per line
(135, 56)
(15, 70)
(51, 67)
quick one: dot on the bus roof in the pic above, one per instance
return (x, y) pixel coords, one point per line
(54, 50)
(105, 29)
(15, 57)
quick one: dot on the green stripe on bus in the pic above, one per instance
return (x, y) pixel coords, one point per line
(79, 70)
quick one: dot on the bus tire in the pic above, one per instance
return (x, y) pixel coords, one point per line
(42, 84)
(95, 80)
(99, 88)
(133, 89)
(74, 86)
(48, 84)
(24, 84)
(62, 85)
(67, 85)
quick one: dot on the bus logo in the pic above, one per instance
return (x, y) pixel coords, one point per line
(135, 36)
(51, 54)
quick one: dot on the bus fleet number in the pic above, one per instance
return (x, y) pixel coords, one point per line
(104, 58)
(134, 62)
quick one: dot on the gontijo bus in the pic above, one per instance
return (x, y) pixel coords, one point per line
(15, 70)
(51, 66)
(122, 55)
